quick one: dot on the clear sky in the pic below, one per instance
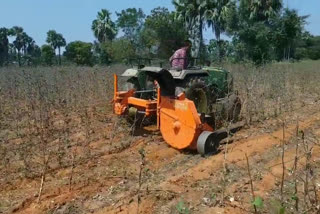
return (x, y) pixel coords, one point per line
(73, 18)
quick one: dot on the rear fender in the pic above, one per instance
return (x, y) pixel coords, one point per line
(164, 79)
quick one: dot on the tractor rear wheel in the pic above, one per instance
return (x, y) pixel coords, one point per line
(197, 91)
(231, 108)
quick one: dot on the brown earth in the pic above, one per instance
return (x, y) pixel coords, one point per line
(172, 181)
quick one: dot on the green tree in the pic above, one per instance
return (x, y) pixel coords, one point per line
(33, 54)
(61, 42)
(56, 41)
(289, 28)
(4, 46)
(24, 44)
(308, 47)
(257, 40)
(100, 54)
(79, 53)
(30, 50)
(131, 22)
(27, 41)
(19, 40)
(254, 29)
(192, 12)
(12, 52)
(47, 54)
(149, 39)
(225, 49)
(103, 27)
(261, 10)
(313, 49)
(163, 32)
(21, 43)
(217, 14)
(119, 50)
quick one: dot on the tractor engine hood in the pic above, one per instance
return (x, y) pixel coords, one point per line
(130, 73)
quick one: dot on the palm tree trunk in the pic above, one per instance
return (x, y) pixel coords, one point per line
(201, 38)
(195, 32)
(59, 56)
(19, 58)
(217, 34)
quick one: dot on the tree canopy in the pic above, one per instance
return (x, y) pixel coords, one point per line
(56, 41)
(258, 31)
(163, 32)
(192, 13)
(131, 21)
(47, 54)
(103, 27)
(79, 52)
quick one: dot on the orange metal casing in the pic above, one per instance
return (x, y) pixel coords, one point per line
(120, 98)
(115, 86)
(158, 108)
(149, 106)
(177, 118)
(123, 99)
(180, 124)
(120, 104)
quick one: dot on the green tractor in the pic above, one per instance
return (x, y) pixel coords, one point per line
(210, 88)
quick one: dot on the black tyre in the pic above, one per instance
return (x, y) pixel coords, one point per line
(197, 91)
(232, 108)
(208, 142)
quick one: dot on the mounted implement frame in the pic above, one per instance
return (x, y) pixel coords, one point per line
(178, 120)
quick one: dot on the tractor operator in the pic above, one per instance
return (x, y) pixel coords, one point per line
(179, 60)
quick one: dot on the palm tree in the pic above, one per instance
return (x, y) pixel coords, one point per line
(289, 28)
(258, 10)
(216, 15)
(192, 12)
(27, 41)
(51, 38)
(265, 9)
(103, 27)
(61, 42)
(4, 45)
(19, 41)
(56, 41)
